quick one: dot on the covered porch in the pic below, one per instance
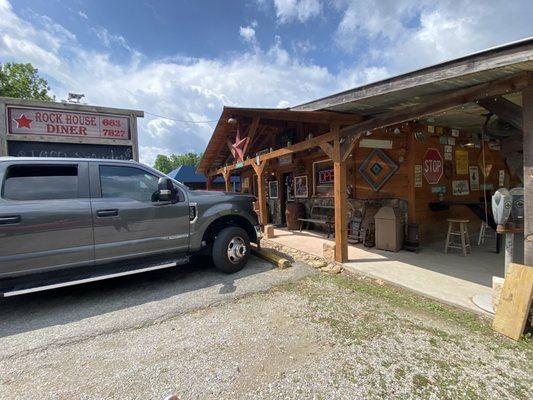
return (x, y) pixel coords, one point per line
(432, 144)
(449, 278)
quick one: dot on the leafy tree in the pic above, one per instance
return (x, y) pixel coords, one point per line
(162, 163)
(22, 81)
(166, 164)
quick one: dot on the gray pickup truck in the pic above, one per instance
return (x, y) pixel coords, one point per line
(70, 221)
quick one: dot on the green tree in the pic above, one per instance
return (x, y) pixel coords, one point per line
(166, 164)
(22, 81)
(162, 163)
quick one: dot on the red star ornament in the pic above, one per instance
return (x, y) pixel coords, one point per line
(239, 146)
(23, 122)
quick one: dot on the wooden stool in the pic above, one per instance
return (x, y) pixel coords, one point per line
(462, 232)
(483, 233)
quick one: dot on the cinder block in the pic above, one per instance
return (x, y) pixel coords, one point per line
(269, 231)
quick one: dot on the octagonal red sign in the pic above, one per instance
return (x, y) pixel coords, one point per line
(433, 166)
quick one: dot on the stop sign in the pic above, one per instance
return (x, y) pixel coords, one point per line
(433, 166)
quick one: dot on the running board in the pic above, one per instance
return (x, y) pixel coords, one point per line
(35, 289)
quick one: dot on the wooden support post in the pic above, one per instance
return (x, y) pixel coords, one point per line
(341, 201)
(261, 192)
(527, 110)
(227, 180)
(208, 181)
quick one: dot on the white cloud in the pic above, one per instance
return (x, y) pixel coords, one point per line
(109, 39)
(407, 34)
(301, 10)
(82, 15)
(183, 88)
(196, 89)
(247, 33)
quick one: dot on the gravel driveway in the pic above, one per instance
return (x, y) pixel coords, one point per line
(266, 334)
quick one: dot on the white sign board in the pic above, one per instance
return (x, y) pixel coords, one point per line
(49, 122)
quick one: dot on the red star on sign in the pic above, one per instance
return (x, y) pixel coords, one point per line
(238, 147)
(23, 122)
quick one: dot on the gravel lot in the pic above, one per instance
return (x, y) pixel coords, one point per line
(264, 333)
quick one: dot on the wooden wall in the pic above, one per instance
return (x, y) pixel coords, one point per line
(407, 152)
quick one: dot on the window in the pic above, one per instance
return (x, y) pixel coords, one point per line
(323, 178)
(41, 182)
(129, 182)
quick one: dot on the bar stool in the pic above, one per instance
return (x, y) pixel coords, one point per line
(462, 232)
(483, 233)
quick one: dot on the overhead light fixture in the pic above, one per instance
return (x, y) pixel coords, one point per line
(232, 120)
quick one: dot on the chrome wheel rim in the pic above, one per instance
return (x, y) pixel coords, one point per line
(236, 249)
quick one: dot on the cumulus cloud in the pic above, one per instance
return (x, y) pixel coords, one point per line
(412, 34)
(191, 89)
(247, 33)
(301, 10)
(82, 15)
(408, 34)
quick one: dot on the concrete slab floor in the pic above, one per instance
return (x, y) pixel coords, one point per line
(451, 278)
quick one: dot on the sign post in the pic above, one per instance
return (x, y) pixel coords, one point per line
(433, 166)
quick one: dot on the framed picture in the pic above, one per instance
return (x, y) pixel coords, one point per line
(474, 177)
(460, 187)
(273, 189)
(300, 187)
(461, 162)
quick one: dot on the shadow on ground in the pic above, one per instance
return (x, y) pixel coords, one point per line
(62, 306)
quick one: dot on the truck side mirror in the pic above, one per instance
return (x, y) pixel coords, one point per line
(166, 191)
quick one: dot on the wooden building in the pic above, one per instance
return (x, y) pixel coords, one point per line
(432, 143)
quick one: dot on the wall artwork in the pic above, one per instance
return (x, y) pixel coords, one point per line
(448, 152)
(246, 183)
(300, 187)
(273, 189)
(460, 187)
(473, 171)
(501, 178)
(461, 162)
(455, 132)
(377, 169)
(418, 175)
(438, 189)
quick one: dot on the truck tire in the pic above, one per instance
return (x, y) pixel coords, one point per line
(231, 249)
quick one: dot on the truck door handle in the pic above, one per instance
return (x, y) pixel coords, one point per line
(11, 219)
(107, 213)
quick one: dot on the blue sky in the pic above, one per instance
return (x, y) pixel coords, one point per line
(186, 59)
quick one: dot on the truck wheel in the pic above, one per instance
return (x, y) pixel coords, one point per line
(231, 249)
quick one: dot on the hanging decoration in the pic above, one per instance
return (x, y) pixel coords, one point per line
(461, 162)
(238, 146)
(377, 169)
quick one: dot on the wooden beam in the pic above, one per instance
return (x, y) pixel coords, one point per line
(327, 148)
(261, 192)
(251, 134)
(527, 109)
(208, 181)
(295, 148)
(505, 110)
(453, 99)
(341, 202)
(348, 145)
(227, 179)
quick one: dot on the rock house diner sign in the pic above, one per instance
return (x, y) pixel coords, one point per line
(40, 121)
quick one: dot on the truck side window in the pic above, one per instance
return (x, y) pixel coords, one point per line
(41, 182)
(128, 182)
